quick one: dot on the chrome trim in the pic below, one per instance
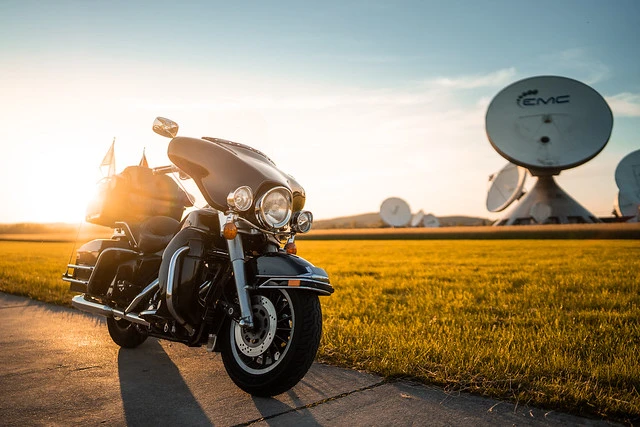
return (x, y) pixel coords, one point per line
(169, 297)
(320, 289)
(69, 279)
(142, 295)
(127, 231)
(259, 212)
(307, 276)
(93, 307)
(236, 254)
(80, 267)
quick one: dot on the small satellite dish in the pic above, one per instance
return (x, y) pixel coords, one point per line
(431, 221)
(548, 123)
(506, 186)
(628, 176)
(395, 212)
(417, 218)
(625, 206)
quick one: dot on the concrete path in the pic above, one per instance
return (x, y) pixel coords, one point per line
(58, 366)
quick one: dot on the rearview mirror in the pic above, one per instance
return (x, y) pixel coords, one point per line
(165, 127)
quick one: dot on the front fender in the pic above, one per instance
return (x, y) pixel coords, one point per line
(279, 270)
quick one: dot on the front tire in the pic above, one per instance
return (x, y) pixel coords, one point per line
(278, 352)
(125, 333)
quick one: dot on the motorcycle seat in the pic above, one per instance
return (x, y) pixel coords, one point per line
(155, 233)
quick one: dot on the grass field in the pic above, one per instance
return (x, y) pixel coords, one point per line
(547, 323)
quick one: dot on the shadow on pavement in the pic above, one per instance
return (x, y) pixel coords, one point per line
(153, 390)
(296, 417)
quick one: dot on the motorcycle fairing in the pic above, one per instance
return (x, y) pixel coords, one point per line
(219, 167)
(280, 270)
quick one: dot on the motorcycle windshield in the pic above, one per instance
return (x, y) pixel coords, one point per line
(219, 167)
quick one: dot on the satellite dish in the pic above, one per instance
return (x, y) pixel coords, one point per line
(395, 212)
(628, 176)
(624, 205)
(547, 124)
(431, 221)
(506, 186)
(417, 218)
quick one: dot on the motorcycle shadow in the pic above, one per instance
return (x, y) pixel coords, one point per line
(277, 413)
(153, 390)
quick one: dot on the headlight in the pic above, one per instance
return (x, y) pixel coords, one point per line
(241, 199)
(274, 208)
(301, 221)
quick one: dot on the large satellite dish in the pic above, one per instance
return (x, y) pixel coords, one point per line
(506, 186)
(395, 212)
(628, 175)
(628, 180)
(547, 124)
(431, 221)
(417, 218)
(625, 206)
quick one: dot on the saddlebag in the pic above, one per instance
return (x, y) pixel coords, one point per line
(78, 274)
(134, 195)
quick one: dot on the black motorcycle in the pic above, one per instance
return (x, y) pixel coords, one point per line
(224, 276)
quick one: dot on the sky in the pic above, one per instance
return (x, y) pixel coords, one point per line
(358, 100)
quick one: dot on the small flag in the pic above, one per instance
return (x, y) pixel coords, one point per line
(143, 160)
(109, 161)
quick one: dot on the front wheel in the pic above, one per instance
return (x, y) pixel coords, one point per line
(273, 356)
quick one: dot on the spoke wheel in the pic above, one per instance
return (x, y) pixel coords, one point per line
(274, 355)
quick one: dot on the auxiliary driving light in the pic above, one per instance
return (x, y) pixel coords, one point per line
(241, 199)
(302, 221)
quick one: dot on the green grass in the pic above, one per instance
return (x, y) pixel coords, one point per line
(549, 323)
(554, 324)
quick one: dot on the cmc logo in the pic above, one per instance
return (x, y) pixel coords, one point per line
(530, 98)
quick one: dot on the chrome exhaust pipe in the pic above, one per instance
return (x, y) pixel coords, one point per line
(104, 310)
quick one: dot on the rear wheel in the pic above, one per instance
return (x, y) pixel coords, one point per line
(125, 333)
(273, 356)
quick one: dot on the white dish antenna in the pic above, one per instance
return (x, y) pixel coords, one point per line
(431, 221)
(547, 124)
(624, 205)
(506, 186)
(628, 176)
(395, 212)
(417, 218)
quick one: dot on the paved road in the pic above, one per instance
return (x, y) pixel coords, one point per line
(58, 366)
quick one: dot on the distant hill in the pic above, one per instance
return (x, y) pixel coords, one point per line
(372, 220)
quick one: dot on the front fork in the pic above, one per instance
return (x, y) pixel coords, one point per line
(236, 253)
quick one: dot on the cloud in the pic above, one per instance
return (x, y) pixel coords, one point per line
(495, 79)
(576, 63)
(625, 104)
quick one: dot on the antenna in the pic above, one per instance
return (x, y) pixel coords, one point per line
(417, 218)
(395, 212)
(506, 187)
(547, 124)
(431, 221)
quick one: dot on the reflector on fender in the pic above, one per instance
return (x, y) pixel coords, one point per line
(294, 282)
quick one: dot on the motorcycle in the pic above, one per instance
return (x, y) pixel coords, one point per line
(225, 276)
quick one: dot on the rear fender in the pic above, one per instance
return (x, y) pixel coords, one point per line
(284, 271)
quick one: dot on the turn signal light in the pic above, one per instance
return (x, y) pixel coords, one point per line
(229, 231)
(291, 248)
